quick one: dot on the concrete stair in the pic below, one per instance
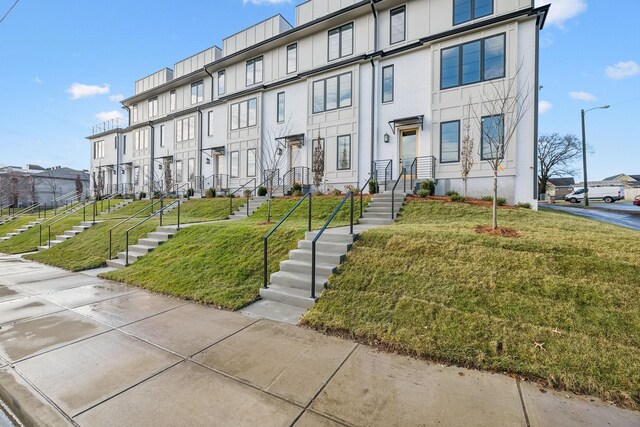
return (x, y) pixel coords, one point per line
(21, 230)
(253, 206)
(68, 234)
(378, 212)
(144, 246)
(122, 204)
(7, 219)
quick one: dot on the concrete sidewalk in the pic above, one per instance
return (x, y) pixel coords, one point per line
(78, 350)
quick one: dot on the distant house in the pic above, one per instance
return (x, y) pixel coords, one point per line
(631, 184)
(559, 187)
(20, 187)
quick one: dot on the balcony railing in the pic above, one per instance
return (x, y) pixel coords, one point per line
(109, 125)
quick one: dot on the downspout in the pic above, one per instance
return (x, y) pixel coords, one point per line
(210, 75)
(152, 169)
(199, 158)
(535, 111)
(118, 138)
(128, 113)
(373, 86)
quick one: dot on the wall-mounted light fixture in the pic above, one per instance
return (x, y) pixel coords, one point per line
(114, 171)
(279, 151)
(208, 161)
(122, 171)
(160, 166)
(386, 138)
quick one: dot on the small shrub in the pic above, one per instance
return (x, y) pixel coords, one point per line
(190, 192)
(429, 186)
(211, 193)
(487, 198)
(354, 190)
(457, 198)
(142, 195)
(262, 191)
(501, 201)
(296, 187)
(524, 205)
(423, 193)
(247, 193)
(452, 193)
(336, 192)
(296, 193)
(373, 187)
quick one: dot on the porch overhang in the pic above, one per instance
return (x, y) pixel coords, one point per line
(214, 151)
(292, 140)
(406, 121)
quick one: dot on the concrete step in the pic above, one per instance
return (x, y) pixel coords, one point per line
(328, 247)
(159, 235)
(116, 263)
(72, 233)
(12, 234)
(80, 228)
(377, 215)
(143, 249)
(304, 267)
(331, 236)
(151, 242)
(170, 229)
(62, 237)
(295, 297)
(375, 221)
(322, 257)
(133, 256)
(296, 280)
(377, 208)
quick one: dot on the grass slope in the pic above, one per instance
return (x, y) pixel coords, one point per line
(16, 223)
(559, 304)
(29, 240)
(201, 210)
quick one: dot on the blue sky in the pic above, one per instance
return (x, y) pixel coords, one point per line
(589, 57)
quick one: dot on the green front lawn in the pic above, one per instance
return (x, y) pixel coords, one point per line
(202, 210)
(29, 240)
(558, 304)
(16, 223)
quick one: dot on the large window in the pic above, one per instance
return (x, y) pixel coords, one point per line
(251, 162)
(280, 107)
(197, 92)
(466, 10)
(450, 142)
(153, 107)
(161, 135)
(134, 113)
(172, 100)
(244, 114)
(185, 129)
(341, 42)
(234, 158)
(387, 84)
(492, 137)
(221, 82)
(191, 169)
(254, 71)
(473, 62)
(98, 149)
(141, 139)
(398, 25)
(292, 58)
(210, 123)
(178, 170)
(344, 152)
(332, 93)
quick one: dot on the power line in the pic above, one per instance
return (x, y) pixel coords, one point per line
(9, 11)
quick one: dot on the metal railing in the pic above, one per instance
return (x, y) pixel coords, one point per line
(232, 195)
(349, 195)
(362, 191)
(265, 239)
(64, 215)
(298, 174)
(129, 218)
(422, 168)
(382, 171)
(158, 212)
(393, 193)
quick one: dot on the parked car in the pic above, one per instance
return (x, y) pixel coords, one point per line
(636, 201)
(608, 194)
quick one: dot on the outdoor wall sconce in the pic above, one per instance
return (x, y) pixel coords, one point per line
(386, 138)
(122, 171)
(114, 172)
(279, 151)
(160, 166)
(208, 161)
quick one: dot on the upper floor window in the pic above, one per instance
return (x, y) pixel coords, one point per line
(473, 62)
(341, 42)
(98, 149)
(178, 170)
(141, 139)
(292, 58)
(492, 137)
(210, 123)
(153, 107)
(254, 71)
(161, 135)
(387, 84)
(398, 25)
(221, 83)
(450, 142)
(124, 144)
(244, 114)
(234, 159)
(466, 10)
(134, 113)
(332, 93)
(185, 129)
(280, 107)
(197, 92)
(172, 100)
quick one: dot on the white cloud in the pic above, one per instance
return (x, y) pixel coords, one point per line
(109, 115)
(622, 70)
(116, 98)
(583, 96)
(563, 10)
(544, 106)
(79, 90)
(38, 80)
(265, 2)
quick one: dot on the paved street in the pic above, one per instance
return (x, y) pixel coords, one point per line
(621, 218)
(78, 350)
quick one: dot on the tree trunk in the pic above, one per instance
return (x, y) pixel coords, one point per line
(464, 180)
(269, 210)
(543, 185)
(495, 199)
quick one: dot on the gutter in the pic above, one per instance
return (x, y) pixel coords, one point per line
(199, 142)
(373, 86)
(210, 75)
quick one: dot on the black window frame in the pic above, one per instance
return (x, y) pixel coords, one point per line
(292, 46)
(162, 135)
(173, 100)
(482, 41)
(472, 17)
(124, 144)
(278, 112)
(338, 107)
(156, 106)
(223, 74)
(482, 156)
(401, 9)
(338, 167)
(253, 62)
(231, 175)
(441, 156)
(210, 123)
(255, 162)
(340, 30)
(134, 113)
(393, 84)
(196, 85)
(241, 105)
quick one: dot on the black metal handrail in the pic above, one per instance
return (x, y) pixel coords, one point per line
(132, 216)
(362, 191)
(231, 195)
(349, 195)
(177, 190)
(289, 178)
(64, 215)
(265, 239)
(393, 196)
(386, 166)
(126, 261)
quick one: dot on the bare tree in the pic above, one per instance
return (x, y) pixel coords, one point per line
(502, 108)
(50, 183)
(556, 154)
(467, 159)
(79, 187)
(98, 183)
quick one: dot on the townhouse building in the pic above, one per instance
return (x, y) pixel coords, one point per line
(373, 87)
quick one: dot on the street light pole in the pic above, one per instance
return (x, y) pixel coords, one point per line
(584, 154)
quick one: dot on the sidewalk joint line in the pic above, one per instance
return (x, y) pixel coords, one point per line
(524, 406)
